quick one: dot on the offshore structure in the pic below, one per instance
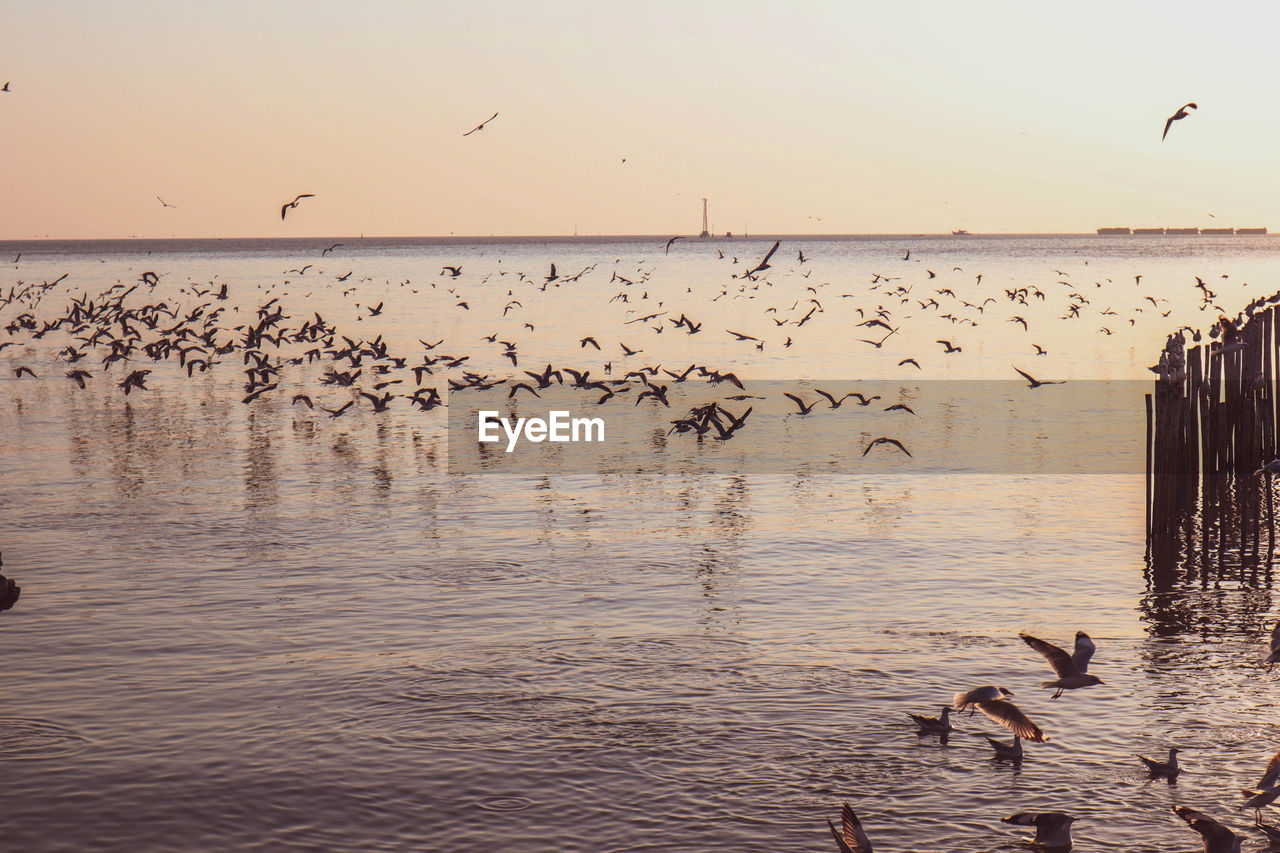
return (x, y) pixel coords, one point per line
(706, 232)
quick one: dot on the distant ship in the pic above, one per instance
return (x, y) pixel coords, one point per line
(1147, 232)
(959, 233)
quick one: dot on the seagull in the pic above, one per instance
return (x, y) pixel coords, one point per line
(1180, 114)
(1053, 829)
(1217, 838)
(5, 87)
(287, 206)
(849, 838)
(1168, 768)
(481, 125)
(979, 694)
(883, 440)
(1032, 382)
(804, 407)
(934, 725)
(950, 347)
(1259, 799)
(763, 265)
(1006, 752)
(1069, 675)
(164, 203)
(9, 591)
(1272, 467)
(667, 250)
(1008, 715)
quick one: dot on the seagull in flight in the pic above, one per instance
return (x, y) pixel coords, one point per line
(1032, 382)
(164, 203)
(287, 206)
(481, 125)
(1217, 837)
(1070, 677)
(1180, 114)
(849, 838)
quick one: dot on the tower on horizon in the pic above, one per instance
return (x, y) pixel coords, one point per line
(706, 232)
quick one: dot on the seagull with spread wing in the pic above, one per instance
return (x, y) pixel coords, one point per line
(1180, 114)
(1070, 676)
(481, 125)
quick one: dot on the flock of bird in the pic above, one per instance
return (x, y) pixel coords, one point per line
(198, 327)
(1053, 828)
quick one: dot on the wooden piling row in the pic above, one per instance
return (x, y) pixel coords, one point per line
(1211, 424)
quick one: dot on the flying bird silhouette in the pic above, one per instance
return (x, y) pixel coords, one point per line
(481, 125)
(1180, 114)
(287, 206)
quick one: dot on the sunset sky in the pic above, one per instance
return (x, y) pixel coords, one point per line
(823, 117)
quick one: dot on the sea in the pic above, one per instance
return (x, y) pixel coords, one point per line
(255, 626)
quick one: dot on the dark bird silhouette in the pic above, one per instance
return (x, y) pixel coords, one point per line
(1180, 114)
(136, 379)
(1032, 382)
(950, 347)
(164, 203)
(764, 264)
(289, 205)
(912, 362)
(330, 249)
(804, 407)
(5, 87)
(78, 376)
(1217, 838)
(9, 591)
(883, 440)
(334, 413)
(481, 125)
(18, 371)
(667, 249)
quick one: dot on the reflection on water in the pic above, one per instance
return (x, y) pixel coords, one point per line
(248, 627)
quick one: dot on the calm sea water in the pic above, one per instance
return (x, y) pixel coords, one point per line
(255, 627)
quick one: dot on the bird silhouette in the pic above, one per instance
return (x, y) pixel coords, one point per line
(1180, 114)
(289, 205)
(481, 125)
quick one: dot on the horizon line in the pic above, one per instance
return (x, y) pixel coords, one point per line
(626, 237)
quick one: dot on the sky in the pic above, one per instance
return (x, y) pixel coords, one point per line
(841, 117)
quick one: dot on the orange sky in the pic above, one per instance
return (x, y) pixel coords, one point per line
(827, 117)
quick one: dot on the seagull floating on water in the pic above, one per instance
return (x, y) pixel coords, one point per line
(1168, 768)
(934, 725)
